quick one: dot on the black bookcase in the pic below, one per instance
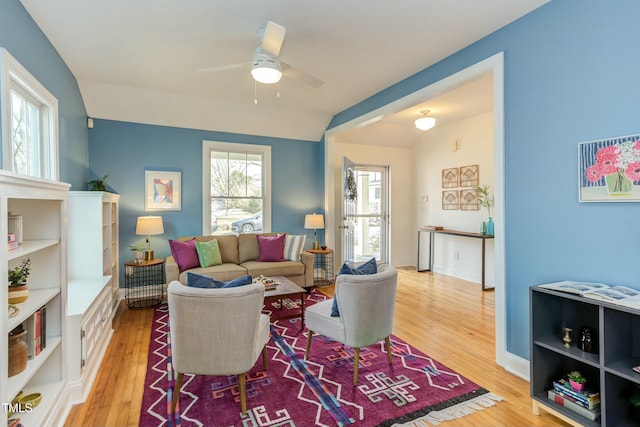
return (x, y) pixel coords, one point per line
(609, 371)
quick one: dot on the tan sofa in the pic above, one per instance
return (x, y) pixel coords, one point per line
(239, 254)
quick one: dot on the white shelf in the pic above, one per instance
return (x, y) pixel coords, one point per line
(30, 246)
(43, 207)
(84, 292)
(18, 382)
(50, 396)
(37, 298)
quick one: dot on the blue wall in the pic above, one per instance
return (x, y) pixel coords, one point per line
(125, 150)
(24, 40)
(571, 75)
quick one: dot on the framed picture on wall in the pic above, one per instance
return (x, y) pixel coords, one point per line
(450, 200)
(609, 170)
(469, 200)
(450, 178)
(162, 191)
(469, 176)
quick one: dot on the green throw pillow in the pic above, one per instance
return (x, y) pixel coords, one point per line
(208, 253)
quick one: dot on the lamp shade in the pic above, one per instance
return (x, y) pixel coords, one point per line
(314, 221)
(425, 123)
(149, 225)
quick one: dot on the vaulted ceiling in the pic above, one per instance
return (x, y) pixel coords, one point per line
(143, 60)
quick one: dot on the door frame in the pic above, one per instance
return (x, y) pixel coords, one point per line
(494, 64)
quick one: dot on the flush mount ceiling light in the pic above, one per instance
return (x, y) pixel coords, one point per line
(265, 68)
(425, 123)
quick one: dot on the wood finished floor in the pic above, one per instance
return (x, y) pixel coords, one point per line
(449, 319)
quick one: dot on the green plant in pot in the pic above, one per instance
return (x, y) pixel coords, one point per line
(98, 184)
(138, 251)
(576, 380)
(18, 290)
(486, 200)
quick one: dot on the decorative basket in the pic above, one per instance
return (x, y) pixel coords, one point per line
(17, 353)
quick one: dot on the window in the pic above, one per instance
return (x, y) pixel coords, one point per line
(236, 188)
(29, 122)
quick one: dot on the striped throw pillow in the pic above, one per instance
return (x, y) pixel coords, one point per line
(293, 246)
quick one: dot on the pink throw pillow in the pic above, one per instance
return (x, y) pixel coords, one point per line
(271, 248)
(185, 254)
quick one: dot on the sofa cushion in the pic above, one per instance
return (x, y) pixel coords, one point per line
(248, 249)
(293, 246)
(369, 267)
(201, 281)
(208, 253)
(185, 254)
(271, 248)
(225, 271)
(269, 269)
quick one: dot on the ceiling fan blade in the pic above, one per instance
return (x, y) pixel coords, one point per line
(297, 74)
(224, 69)
(272, 38)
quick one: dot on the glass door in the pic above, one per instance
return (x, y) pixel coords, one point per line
(365, 218)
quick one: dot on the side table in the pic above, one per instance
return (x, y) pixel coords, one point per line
(144, 283)
(323, 272)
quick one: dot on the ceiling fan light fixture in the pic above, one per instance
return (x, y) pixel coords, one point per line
(266, 70)
(425, 123)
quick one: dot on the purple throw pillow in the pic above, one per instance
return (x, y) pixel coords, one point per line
(185, 254)
(271, 248)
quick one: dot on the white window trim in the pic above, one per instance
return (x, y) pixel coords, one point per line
(207, 147)
(12, 70)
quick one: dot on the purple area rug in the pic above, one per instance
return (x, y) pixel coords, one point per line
(316, 392)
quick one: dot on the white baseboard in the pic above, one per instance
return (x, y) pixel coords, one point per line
(517, 366)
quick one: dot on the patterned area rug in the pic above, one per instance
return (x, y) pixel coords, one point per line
(316, 392)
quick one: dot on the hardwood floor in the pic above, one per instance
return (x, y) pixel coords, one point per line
(449, 319)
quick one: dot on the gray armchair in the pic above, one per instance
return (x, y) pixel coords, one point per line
(217, 332)
(366, 304)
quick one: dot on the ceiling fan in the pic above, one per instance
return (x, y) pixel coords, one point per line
(266, 66)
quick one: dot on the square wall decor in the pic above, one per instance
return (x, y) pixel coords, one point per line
(450, 178)
(450, 200)
(469, 176)
(162, 191)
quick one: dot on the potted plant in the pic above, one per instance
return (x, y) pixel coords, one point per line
(486, 200)
(138, 252)
(576, 380)
(98, 184)
(18, 290)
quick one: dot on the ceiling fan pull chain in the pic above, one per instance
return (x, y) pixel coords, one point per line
(278, 93)
(255, 92)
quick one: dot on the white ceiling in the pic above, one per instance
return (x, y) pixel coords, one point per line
(138, 60)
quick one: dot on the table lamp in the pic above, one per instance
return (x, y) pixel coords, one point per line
(315, 222)
(148, 226)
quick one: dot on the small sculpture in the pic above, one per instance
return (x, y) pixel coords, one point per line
(567, 337)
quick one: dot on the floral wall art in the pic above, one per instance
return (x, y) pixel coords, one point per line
(609, 170)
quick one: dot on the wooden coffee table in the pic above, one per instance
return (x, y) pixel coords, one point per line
(286, 289)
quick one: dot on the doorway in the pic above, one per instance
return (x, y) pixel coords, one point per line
(366, 218)
(494, 65)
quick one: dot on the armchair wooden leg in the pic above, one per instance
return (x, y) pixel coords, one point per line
(243, 393)
(309, 339)
(356, 362)
(387, 341)
(176, 391)
(264, 358)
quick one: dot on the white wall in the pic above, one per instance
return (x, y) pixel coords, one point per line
(402, 189)
(455, 256)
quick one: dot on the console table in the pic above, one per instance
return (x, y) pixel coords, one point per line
(432, 233)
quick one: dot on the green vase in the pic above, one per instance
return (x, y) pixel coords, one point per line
(618, 184)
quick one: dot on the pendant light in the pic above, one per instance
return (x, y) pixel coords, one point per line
(424, 122)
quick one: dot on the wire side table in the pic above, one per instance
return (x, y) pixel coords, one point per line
(144, 283)
(323, 273)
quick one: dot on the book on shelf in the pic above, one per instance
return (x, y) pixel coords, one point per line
(12, 241)
(620, 295)
(43, 329)
(38, 331)
(590, 414)
(588, 398)
(30, 326)
(432, 227)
